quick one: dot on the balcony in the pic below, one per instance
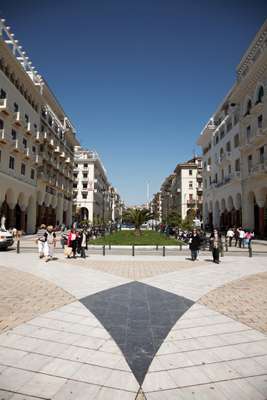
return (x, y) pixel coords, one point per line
(259, 168)
(3, 136)
(16, 146)
(57, 149)
(68, 160)
(4, 107)
(62, 155)
(29, 128)
(45, 136)
(27, 153)
(17, 119)
(51, 143)
(38, 159)
(38, 136)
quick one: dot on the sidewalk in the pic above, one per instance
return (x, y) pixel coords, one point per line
(165, 332)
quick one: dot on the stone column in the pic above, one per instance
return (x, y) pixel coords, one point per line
(11, 216)
(23, 220)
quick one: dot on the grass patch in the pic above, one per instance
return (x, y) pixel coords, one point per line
(124, 238)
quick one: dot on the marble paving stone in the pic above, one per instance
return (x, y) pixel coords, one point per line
(259, 383)
(73, 390)
(42, 385)
(138, 317)
(240, 389)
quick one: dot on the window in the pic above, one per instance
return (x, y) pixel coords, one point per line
(260, 95)
(2, 94)
(85, 175)
(85, 165)
(190, 172)
(190, 197)
(26, 118)
(229, 169)
(33, 149)
(15, 107)
(249, 162)
(260, 121)
(75, 175)
(228, 146)
(0, 155)
(75, 186)
(261, 152)
(216, 178)
(236, 140)
(11, 162)
(248, 133)
(1, 124)
(229, 125)
(190, 184)
(205, 184)
(32, 174)
(237, 165)
(84, 185)
(23, 169)
(76, 165)
(13, 134)
(24, 142)
(248, 109)
(216, 139)
(84, 195)
(222, 174)
(222, 133)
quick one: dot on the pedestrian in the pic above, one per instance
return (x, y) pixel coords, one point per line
(236, 236)
(248, 237)
(83, 243)
(50, 243)
(241, 237)
(194, 244)
(229, 235)
(41, 240)
(216, 244)
(73, 241)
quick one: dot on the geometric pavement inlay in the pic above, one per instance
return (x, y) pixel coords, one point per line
(138, 317)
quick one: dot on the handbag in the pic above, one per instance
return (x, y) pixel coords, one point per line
(67, 251)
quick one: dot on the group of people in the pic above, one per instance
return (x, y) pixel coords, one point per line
(46, 241)
(241, 236)
(196, 241)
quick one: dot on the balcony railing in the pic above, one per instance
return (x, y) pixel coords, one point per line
(17, 120)
(4, 138)
(4, 107)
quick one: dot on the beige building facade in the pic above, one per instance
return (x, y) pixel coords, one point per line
(95, 199)
(234, 144)
(36, 144)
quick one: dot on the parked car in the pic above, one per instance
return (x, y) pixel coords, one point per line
(6, 239)
(127, 227)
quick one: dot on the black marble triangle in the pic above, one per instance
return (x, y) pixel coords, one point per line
(138, 317)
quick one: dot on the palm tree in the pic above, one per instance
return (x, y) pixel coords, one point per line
(138, 217)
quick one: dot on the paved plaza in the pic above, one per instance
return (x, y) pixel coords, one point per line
(117, 328)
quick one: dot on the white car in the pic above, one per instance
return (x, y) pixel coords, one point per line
(6, 239)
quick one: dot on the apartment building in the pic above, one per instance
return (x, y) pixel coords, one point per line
(180, 192)
(36, 144)
(95, 199)
(186, 188)
(234, 144)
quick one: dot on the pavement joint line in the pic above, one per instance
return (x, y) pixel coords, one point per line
(53, 341)
(203, 326)
(62, 320)
(213, 347)
(57, 330)
(206, 363)
(75, 380)
(24, 394)
(207, 383)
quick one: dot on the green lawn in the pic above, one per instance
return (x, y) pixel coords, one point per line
(125, 238)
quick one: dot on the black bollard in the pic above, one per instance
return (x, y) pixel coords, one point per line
(163, 251)
(18, 246)
(249, 250)
(157, 247)
(104, 250)
(133, 250)
(180, 247)
(109, 246)
(226, 246)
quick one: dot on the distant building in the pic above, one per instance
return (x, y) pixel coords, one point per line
(94, 198)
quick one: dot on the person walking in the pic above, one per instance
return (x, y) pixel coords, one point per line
(73, 241)
(241, 237)
(50, 243)
(236, 236)
(216, 244)
(194, 244)
(83, 242)
(229, 235)
(41, 240)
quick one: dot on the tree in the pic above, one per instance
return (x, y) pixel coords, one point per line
(137, 217)
(174, 219)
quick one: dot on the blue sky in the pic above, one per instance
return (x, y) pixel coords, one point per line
(138, 79)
